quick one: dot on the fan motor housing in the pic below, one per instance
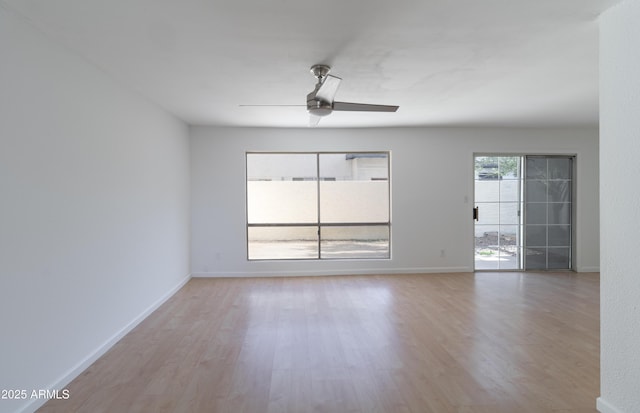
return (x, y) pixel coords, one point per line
(319, 108)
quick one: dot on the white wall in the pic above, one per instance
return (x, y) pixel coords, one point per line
(297, 201)
(94, 211)
(620, 208)
(436, 216)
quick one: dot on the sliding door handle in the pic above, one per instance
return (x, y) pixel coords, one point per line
(476, 213)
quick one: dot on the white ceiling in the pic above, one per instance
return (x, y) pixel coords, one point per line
(445, 62)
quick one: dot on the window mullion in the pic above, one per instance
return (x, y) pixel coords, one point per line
(318, 201)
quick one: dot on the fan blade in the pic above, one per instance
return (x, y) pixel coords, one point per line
(268, 106)
(363, 107)
(313, 120)
(328, 88)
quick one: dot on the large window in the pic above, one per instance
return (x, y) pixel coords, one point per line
(318, 205)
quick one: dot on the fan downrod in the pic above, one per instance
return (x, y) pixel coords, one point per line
(320, 71)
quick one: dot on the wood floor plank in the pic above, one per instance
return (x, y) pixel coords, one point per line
(459, 343)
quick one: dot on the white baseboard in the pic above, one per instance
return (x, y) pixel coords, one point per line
(346, 271)
(604, 406)
(102, 349)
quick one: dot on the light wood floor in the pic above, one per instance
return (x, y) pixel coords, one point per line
(485, 342)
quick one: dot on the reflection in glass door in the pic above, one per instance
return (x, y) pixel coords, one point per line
(497, 213)
(523, 212)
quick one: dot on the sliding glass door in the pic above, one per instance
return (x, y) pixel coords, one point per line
(523, 212)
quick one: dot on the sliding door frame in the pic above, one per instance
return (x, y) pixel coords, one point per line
(574, 185)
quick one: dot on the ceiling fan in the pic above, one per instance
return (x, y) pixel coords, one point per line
(320, 102)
